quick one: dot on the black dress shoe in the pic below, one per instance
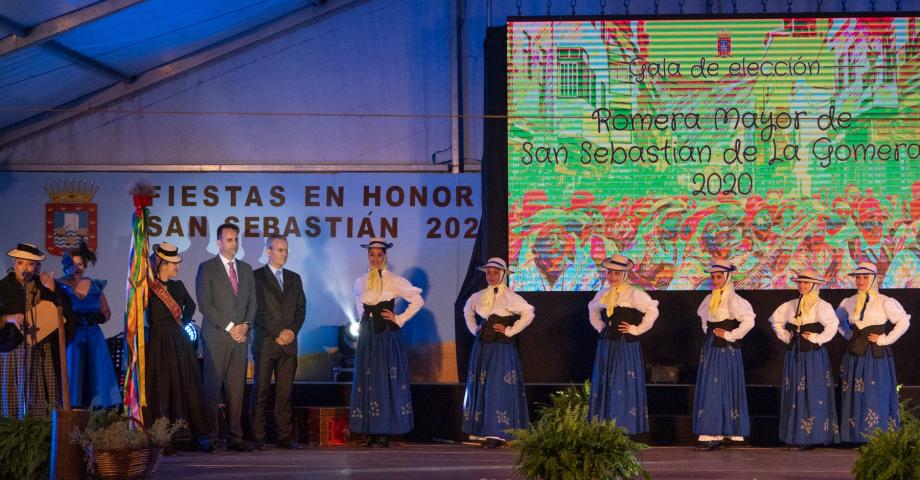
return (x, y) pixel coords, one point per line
(370, 441)
(492, 443)
(289, 445)
(709, 446)
(380, 441)
(239, 446)
(258, 446)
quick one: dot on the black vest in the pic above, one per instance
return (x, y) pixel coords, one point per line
(620, 315)
(859, 341)
(728, 325)
(488, 334)
(373, 313)
(796, 331)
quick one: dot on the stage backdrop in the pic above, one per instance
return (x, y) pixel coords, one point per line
(582, 212)
(781, 143)
(432, 219)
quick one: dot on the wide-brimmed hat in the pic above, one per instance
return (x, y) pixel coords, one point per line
(720, 266)
(864, 268)
(619, 263)
(807, 276)
(168, 252)
(495, 262)
(377, 243)
(27, 251)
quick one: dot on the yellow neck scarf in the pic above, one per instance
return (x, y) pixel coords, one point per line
(716, 299)
(492, 292)
(610, 298)
(806, 303)
(374, 281)
(863, 297)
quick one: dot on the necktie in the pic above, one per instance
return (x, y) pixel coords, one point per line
(280, 280)
(234, 281)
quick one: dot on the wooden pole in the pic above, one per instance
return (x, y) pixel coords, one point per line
(67, 460)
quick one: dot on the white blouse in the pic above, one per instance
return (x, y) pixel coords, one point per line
(879, 309)
(631, 297)
(506, 303)
(822, 313)
(731, 307)
(393, 286)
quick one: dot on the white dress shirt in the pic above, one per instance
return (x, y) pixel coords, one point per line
(879, 309)
(731, 307)
(393, 286)
(822, 313)
(631, 297)
(506, 303)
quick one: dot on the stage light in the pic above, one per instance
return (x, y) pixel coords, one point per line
(353, 329)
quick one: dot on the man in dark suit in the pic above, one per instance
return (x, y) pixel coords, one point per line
(226, 293)
(281, 311)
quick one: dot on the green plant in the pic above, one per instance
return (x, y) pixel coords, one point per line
(563, 444)
(892, 454)
(25, 447)
(107, 429)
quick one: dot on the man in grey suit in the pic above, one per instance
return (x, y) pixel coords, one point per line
(281, 312)
(226, 293)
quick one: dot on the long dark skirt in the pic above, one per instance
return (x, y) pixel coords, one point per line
(808, 410)
(618, 385)
(720, 402)
(381, 402)
(494, 401)
(869, 399)
(174, 387)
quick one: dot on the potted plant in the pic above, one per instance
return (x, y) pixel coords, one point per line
(892, 454)
(120, 447)
(563, 443)
(25, 447)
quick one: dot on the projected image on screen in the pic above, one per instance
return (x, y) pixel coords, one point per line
(782, 144)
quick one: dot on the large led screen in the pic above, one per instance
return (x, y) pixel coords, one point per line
(780, 143)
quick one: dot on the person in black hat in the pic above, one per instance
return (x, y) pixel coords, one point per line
(174, 387)
(494, 400)
(720, 408)
(620, 313)
(381, 403)
(868, 386)
(808, 409)
(91, 376)
(31, 371)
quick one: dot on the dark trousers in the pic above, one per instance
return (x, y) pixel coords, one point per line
(225, 368)
(271, 359)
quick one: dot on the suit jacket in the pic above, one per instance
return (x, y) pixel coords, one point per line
(218, 304)
(277, 310)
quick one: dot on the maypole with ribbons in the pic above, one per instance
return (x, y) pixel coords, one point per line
(136, 306)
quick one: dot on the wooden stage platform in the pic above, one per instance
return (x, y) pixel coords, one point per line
(418, 461)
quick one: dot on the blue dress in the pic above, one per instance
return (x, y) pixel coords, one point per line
(381, 399)
(720, 400)
(618, 380)
(90, 373)
(868, 395)
(494, 401)
(808, 407)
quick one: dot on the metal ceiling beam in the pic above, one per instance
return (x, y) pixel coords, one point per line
(25, 36)
(98, 101)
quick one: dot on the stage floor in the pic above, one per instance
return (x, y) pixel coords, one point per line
(411, 461)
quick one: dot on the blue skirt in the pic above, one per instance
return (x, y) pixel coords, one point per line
(720, 400)
(618, 385)
(90, 373)
(808, 410)
(381, 401)
(494, 400)
(869, 400)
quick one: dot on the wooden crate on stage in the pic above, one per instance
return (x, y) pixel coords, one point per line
(322, 426)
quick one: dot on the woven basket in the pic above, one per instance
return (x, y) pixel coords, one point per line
(124, 463)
